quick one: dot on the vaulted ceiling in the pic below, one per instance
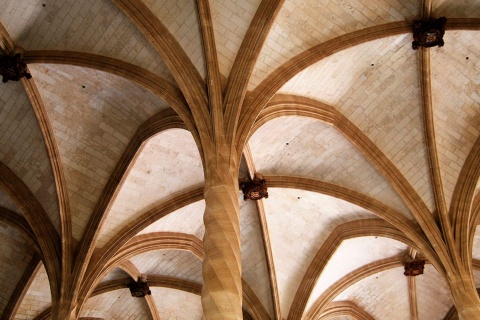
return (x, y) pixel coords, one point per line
(98, 157)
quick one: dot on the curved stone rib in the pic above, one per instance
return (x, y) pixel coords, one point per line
(168, 240)
(257, 100)
(163, 120)
(463, 24)
(348, 230)
(130, 268)
(214, 83)
(56, 165)
(376, 157)
(247, 155)
(429, 126)
(252, 304)
(474, 220)
(161, 87)
(45, 233)
(181, 67)
(139, 244)
(463, 204)
(353, 277)
(104, 255)
(153, 281)
(58, 175)
(390, 215)
(245, 60)
(250, 300)
(345, 308)
(21, 224)
(5, 39)
(22, 287)
(44, 315)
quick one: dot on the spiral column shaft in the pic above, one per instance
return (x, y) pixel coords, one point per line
(222, 280)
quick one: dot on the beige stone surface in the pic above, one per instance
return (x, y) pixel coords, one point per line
(383, 295)
(353, 254)
(94, 26)
(365, 84)
(174, 263)
(476, 274)
(92, 125)
(243, 173)
(168, 165)
(456, 99)
(302, 24)
(375, 84)
(181, 19)
(433, 295)
(477, 190)
(22, 148)
(115, 274)
(7, 202)
(37, 298)
(298, 228)
(343, 318)
(318, 151)
(460, 8)
(188, 219)
(230, 22)
(254, 262)
(118, 304)
(177, 305)
(476, 244)
(15, 255)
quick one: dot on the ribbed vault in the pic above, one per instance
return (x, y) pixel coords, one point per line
(119, 159)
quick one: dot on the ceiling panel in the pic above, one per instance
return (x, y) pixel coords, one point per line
(353, 254)
(92, 26)
(94, 115)
(22, 147)
(37, 298)
(299, 222)
(456, 102)
(181, 19)
(302, 24)
(384, 295)
(309, 148)
(168, 165)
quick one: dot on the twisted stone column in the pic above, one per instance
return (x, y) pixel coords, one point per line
(222, 282)
(465, 297)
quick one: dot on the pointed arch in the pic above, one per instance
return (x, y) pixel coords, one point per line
(184, 72)
(158, 85)
(348, 230)
(245, 60)
(290, 104)
(45, 233)
(361, 273)
(163, 120)
(345, 308)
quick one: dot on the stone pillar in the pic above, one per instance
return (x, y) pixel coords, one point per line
(222, 282)
(465, 297)
(63, 313)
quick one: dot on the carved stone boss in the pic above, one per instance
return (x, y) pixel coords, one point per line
(255, 189)
(428, 33)
(414, 268)
(13, 67)
(139, 289)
